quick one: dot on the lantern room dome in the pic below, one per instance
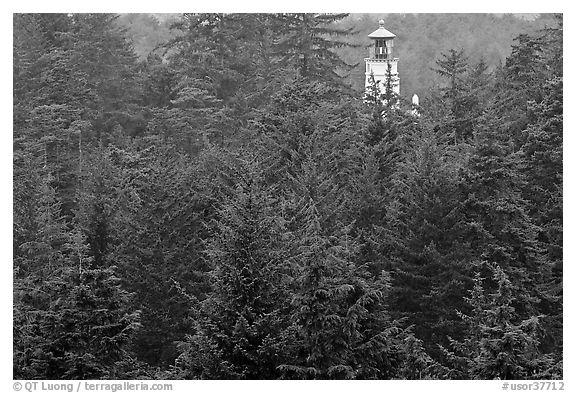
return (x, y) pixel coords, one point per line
(381, 32)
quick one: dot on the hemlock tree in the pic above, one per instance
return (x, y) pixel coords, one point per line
(462, 93)
(100, 49)
(41, 234)
(223, 71)
(307, 42)
(342, 327)
(191, 120)
(389, 96)
(163, 204)
(241, 329)
(520, 81)
(542, 154)
(71, 321)
(499, 344)
(390, 129)
(495, 218)
(420, 241)
(73, 325)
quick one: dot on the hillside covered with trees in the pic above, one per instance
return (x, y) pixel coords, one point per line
(225, 203)
(421, 39)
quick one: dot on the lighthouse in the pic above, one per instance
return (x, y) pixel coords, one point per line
(380, 57)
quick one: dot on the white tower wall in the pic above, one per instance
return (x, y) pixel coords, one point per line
(379, 68)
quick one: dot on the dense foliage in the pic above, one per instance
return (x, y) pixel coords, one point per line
(227, 206)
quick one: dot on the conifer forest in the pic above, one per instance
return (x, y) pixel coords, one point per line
(217, 196)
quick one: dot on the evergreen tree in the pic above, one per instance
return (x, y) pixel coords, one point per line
(94, 213)
(498, 345)
(343, 330)
(308, 121)
(159, 84)
(163, 203)
(461, 94)
(72, 325)
(420, 240)
(495, 215)
(389, 96)
(70, 321)
(376, 127)
(218, 80)
(520, 81)
(542, 154)
(453, 67)
(390, 129)
(101, 50)
(240, 328)
(307, 42)
(43, 242)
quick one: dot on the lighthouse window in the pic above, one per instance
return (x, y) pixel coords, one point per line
(383, 49)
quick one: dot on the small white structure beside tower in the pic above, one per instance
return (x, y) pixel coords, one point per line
(415, 106)
(381, 55)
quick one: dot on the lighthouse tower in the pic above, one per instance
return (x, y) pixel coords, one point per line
(381, 56)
